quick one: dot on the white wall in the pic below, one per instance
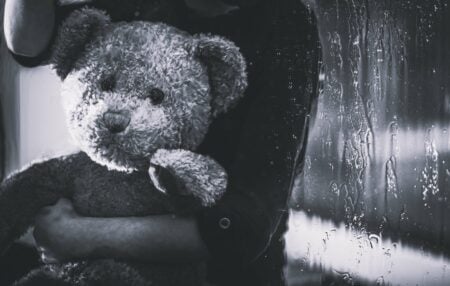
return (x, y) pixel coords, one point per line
(43, 131)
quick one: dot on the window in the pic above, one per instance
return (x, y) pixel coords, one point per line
(374, 191)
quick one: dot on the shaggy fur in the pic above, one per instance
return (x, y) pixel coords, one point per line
(139, 98)
(200, 77)
(208, 189)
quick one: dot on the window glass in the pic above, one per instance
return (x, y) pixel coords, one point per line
(374, 192)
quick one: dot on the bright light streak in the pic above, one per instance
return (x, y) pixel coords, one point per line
(320, 243)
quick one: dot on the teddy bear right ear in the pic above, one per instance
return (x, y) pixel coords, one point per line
(226, 68)
(73, 36)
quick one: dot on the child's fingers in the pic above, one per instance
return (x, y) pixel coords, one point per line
(64, 204)
(62, 208)
(46, 256)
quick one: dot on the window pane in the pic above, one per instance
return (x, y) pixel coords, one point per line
(378, 154)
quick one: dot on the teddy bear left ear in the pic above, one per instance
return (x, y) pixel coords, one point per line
(75, 33)
(226, 68)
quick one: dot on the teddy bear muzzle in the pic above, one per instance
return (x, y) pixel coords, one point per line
(116, 121)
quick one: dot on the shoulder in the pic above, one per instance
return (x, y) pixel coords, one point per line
(61, 13)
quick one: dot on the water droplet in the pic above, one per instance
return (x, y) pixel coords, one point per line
(430, 173)
(374, 240)
(380, 281)
(391, 177)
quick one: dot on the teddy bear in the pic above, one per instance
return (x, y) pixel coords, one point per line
(139, 98)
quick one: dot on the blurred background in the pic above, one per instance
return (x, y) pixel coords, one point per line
(374, 192)
(371, 207)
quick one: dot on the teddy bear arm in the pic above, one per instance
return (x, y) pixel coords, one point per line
(185, 173)
(24, 194)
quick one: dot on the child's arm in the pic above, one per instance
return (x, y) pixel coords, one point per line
(23, 194)
(64, 235)
(243, 229)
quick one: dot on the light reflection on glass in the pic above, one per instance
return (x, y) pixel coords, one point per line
(315, 243)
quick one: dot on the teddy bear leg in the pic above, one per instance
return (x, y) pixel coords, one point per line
(40, 277)
(107, 272)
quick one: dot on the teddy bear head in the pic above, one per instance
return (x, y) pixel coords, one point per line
(131, 88)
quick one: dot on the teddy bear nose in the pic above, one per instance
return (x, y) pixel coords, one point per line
(116, 121)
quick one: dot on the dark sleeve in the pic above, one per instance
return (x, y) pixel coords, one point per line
(282, 87)
(237, 230)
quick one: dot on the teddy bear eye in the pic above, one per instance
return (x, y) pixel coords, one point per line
(108, 83)
(156, 96)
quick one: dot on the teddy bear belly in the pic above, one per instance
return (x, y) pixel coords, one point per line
(102, 193)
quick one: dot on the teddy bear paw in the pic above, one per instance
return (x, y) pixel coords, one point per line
(185, 173)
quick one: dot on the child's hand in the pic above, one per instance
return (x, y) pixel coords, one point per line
(51, 228)
(63, 235)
